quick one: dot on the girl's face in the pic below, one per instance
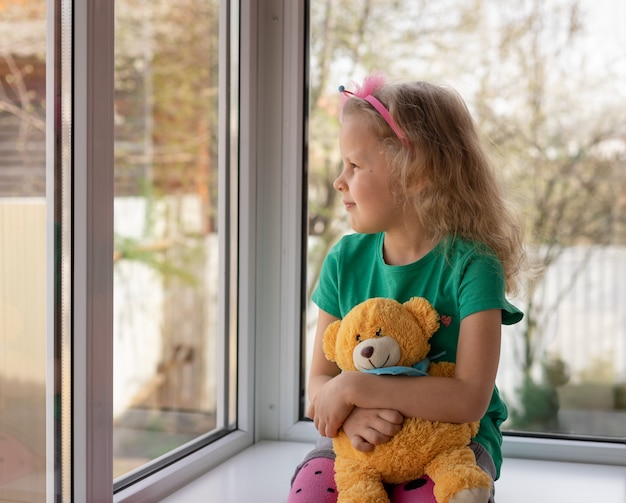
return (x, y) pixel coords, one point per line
(364, 181)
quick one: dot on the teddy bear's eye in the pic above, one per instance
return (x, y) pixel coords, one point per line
(358, 337)
(379, 332)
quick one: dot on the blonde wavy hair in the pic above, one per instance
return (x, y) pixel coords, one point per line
(459, 194)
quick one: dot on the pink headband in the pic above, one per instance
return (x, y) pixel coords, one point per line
(370, 84)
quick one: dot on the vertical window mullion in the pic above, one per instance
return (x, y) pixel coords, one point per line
(90, 207)
(61, 204)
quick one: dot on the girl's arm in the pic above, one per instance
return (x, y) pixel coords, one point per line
(464, 398)
(322, 370)
(365, 427)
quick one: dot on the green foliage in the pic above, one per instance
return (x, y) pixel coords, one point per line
(536, 403)
(537, 409)
(158, 256)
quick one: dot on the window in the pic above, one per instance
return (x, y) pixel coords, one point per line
(94, 232)
(549, 101)
(173, 379)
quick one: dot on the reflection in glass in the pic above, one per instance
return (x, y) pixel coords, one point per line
(22, 252)
(166, 227)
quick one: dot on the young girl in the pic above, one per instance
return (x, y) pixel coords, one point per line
(429, 221)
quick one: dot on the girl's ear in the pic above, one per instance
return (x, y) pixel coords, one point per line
(416, 187)
(330, 340)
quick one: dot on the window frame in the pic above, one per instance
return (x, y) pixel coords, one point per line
(82, 205)
(272, 225)
(80, 196)
(236, 310)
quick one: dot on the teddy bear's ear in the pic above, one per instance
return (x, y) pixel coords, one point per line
(330, 339)
(424, 313)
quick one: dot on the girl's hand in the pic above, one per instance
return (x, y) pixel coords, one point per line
(330, 408)
(367, 428)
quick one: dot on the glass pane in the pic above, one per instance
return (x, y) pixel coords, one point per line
(22, 251)
(167, 376)
(546, 82)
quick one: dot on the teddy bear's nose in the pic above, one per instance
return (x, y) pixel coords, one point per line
(367, 352)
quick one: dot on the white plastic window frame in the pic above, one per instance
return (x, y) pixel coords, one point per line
(80, 89)
(79, 199)
(235, 18)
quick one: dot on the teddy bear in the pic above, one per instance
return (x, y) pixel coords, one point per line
(382, 335)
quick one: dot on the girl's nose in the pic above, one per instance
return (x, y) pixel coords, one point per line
(339, 184)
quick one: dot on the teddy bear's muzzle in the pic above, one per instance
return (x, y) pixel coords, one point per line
(375, 353)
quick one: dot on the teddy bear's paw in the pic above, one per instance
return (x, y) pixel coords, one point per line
(362, 494)
(475, 495)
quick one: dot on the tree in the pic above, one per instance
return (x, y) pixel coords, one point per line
(558, 154)
(22, 98)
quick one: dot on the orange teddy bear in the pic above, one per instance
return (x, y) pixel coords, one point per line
(384, 333)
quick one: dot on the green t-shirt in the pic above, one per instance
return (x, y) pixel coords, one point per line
(458, 277)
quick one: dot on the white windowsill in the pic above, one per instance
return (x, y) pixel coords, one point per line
(262, 473)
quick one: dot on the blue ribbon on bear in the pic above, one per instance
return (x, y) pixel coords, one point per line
(417, 370)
